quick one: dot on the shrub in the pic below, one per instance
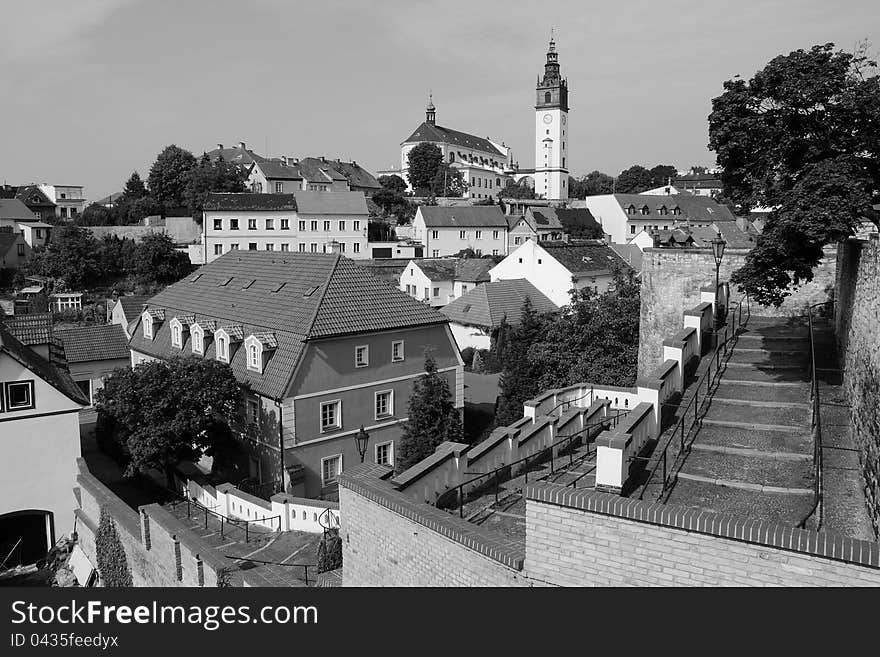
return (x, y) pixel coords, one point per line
(112, 562)
(467, 355)
(330, 551)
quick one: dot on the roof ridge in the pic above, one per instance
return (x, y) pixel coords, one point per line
(314, 317)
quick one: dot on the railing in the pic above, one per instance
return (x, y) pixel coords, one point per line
(816, 423)
(568, 402)
(9, 554)
(566, 442)
(264, 491)
(304, 566)
(708, 378)
(235, 522)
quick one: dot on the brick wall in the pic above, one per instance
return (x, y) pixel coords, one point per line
(857, 319)
(585, 538)
(671, 282)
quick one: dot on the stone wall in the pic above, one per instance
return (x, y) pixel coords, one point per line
(857, 319)
(671, 282)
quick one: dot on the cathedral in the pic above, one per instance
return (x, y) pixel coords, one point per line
(487, 166)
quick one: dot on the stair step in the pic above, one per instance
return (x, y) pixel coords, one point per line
(747, 414)
(747, 372)
(793, 360)
(761, 393)
(790, 442)
(756, 471)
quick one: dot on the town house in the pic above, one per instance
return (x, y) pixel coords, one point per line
(448, 230)
(320, 347)
(437, 281)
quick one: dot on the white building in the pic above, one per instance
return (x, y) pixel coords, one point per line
(39, 416)
(551, 131)
(557, 268)
(307, 222)
(447, 231)
(68, 199)
(437, 281)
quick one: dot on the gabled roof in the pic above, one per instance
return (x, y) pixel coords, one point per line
(31, 329)
(357, 176)
(89, 343)
(249, 201)
(237, 155)
(320, 170)
(386, 269)
(349, 203)
(543, 218)
(13, 208)
(468, 270)
(28, 358)
(585, 257)
(431, 132)
(696, 208)
(629, 253)
(475, 216)
(34, 197)
(321, 296)
(109, 200)
(488, 303)
(273, 170)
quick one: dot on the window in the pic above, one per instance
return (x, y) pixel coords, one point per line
(218, 249)
(357, 225)
(547, 97)
(20, 395)
(341, 225)
(252, 224)
(539, 261)
(331, 415)
(331, 468)
(233, 247)
(285, 247)
(356, 247)
(253, 361)
(314, 225)
(198, 340)
(326, 225)
(147, 321)
(361, 355)
(176, 335)
(253, 410)
(517, 240)
(252, 246)
(436, 291)
(494, 234)
(39, 232)
(342, 247)
(285, 224)
(632, 230)
(222, 348)
(435, 234)
(435, 253)
(385, 454)
(314, 247)
(479, 234)
(270, 246)
(218, 224)
(396, 351)
(494, 251)
(233, 224)
(384, 403)
(279, 187)
(498, 182)
(462, 234)
(302, 247)
(645, 210)
(302, 225)
(270, 224)
(21, 249)
(631, 209)
(427, 293)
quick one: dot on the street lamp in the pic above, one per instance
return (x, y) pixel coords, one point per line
(361, 438)
(718, 245)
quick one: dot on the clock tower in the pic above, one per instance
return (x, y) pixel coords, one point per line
(551, 131)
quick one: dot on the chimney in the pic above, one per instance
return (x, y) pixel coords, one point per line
(242, 146)
(220, 146)
(322, 159)
(284, 159)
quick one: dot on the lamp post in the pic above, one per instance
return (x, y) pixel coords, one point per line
(718, 244)
(361, 438)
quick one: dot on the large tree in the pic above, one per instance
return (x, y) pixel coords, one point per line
(211, 176)
(433, 418)
(393, 183)
(169, 176)
(517, 190)
(422, 164)
(592, 184)
(134, 187)
(634, 180)
(662, 174)
(71, 255)
(518, 381)
(803, 138)
(155, 260)
(165, 412)
(448, 182)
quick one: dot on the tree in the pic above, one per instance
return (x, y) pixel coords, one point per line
(110, 555)
(634, 180)
(169, 176)
(379, 231)
(95, 214)
(134, 187)
(662, 174)
(518, 382)
(165, 412)
(145, 206)
(433, 417)
(448, 182)
(392, 183)
(394, 204)
(71, 255)
(517, 190)
(592, 184)
(422, 163)
(211, 176)
(802, 137)
(157, 261)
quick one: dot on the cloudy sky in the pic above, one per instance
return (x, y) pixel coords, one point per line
(94, 89)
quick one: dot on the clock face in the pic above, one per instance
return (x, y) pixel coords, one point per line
(548, 118)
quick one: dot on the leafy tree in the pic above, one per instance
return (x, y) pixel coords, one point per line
(96, 214)
(71, 255)
(433, 418)
(662, 174)
(592, 184)
(169, 176)
(448, 182)
(157, 261)
(134, 187)
(697, 170)
(392, 183)
(634, 180)
(802, 137)
(145, 206)
(422, 163)
(211, 176)
(517, 190)
(379, 231)
(172, 411)
(518, 381)
(394, 204)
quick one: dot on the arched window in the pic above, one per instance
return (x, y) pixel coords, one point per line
(547, 97)
(631, 209)
(663, 210)
(451, 157)
(645, 210)
(676, 210)
(253, 357)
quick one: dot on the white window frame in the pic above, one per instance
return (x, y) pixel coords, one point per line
(390, 446)
(435, 234)
(394, 343)
(390, 409)
(330, 427)
(479, 235)
(198, 339)
(29, 385)
(176, 333)
(251, 343)
(221, 339)
(147, 321)
(270, 223)
(366, 360)
(324, 482)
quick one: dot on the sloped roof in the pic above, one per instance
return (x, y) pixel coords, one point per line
(34, 197)
(586, 257)
(386, 269)
(274, 170)
(544, 218)
(7, 240)
(88, 343)
(697, 181)
(578, 221)
(13, 208)
(315, 169)
(132, 305)
(487, 304)
(696, 208)
(458, 269)
(249, 201)
(109, 200)
(475, 216)
(54, 376)
(431, 132)
(236, 155)
(357, 176)
(350, 203)
(31, 329)
(296, 296)
(630, 253)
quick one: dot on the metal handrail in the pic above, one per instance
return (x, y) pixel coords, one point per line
(710, 381)
(190, 502)
(606, 422)
(816, 422)
(6, 558)
(304, 566)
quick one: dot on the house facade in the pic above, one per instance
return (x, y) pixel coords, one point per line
(39, 431)
(448, 230)
(438, 281)
(320, 347)
(125, 311)
(317, 174)
(68, 199)
(303, 222)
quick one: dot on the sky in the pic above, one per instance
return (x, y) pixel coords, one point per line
(96, 88)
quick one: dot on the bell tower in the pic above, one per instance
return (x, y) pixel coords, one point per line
(551, 130)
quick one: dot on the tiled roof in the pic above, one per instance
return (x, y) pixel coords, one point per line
(473, 270)
(430, 132)
(237, 155)
(321, 296)
(545, 218)
(477, 216)
(437, 269)
(315, 169)
(234, 202)
(89, 343)
(579, 221)
(34, 197)
(54, 376)
(588, 257)
(12, 208)
(350, 203)
(279, 171)
(487, 304)
(630, 253)
(696, 208)
(32, 329)
(386, 269)
(132, 305)
(357, 176)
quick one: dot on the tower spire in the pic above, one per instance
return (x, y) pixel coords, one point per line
(430, 110)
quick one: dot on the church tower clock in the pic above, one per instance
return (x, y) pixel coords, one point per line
(551, 131)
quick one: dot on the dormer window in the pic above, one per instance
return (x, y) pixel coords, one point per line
(198, 340)
(676, 210)
(176, 333)
(631, 209)
(645, 210)
(254, 354)
(258, 349)
(663, 210)
(148, 326)
(225, 337)
(150, 318)
(222, 342)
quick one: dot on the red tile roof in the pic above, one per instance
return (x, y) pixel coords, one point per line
(31, 329)
(90, 343)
